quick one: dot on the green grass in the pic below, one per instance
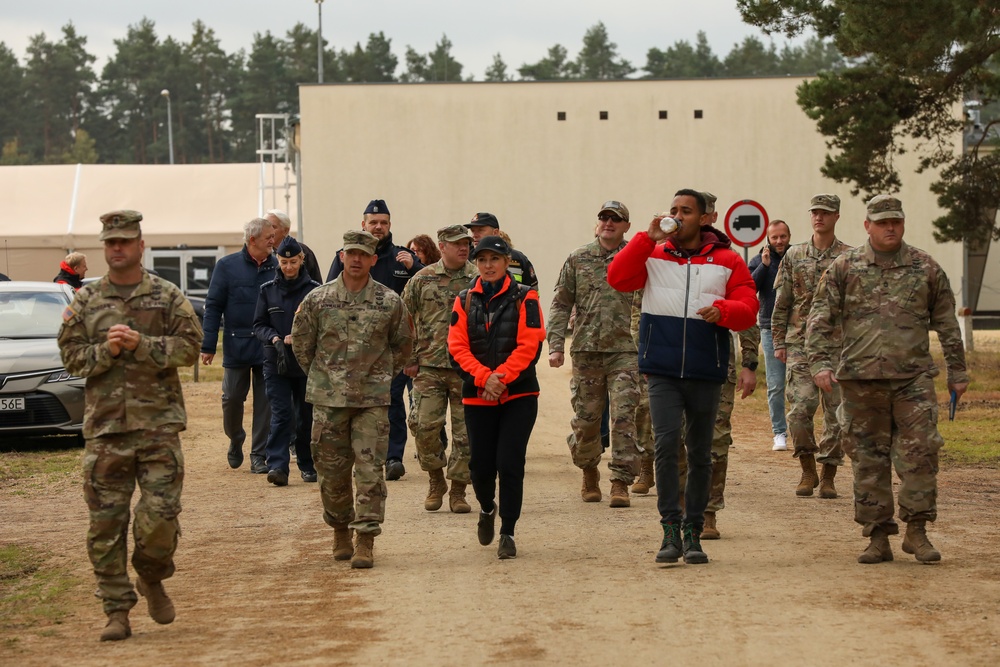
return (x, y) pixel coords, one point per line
(33, 593)
(38, 467)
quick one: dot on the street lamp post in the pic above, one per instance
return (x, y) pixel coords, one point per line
(170, 125)
(319, 40)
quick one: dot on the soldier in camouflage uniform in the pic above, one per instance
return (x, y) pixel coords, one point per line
(794, 287)
(352, 336)
(604, 357)
(127, 334)
(886, 296)
(429, 298)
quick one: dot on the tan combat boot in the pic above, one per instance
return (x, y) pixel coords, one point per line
(645, 482)
(456, 498)
(619, 494)
(878, 549)
(161, 608)
(810, 480)
(342, 547)
(117, 627)
(591, 491)
(709, 531)
(438, 488)
(915, 542)
(363, 545)
(826, 488)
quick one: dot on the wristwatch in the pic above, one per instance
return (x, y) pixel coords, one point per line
(751, 365)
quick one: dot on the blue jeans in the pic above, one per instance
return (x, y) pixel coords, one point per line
(774, 372)
(698, 401)
(289, 413)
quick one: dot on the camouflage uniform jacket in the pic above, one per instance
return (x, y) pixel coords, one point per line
(886, 313)
(351, 345)
(429, 298)
(794, 287)
(138, 390)
(603, 314)
(749, 351)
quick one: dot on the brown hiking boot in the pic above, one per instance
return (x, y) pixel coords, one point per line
(456, 498)
(161, 608)
(915, 542)
(619, 494)
(117, 627)
(591, 491)
(810, 480)
(438, 488)
(363, 545)
(709, 531)
(645, 482)
(878, 549)
(826, 488)
(342, 547)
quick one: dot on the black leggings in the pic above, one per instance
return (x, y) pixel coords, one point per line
(498, 440)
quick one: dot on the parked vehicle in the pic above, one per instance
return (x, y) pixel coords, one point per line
(37, 395)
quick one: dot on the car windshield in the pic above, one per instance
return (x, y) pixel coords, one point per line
(31, 314)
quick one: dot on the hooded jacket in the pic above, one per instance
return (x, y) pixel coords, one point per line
(675, 341)
(68, 276)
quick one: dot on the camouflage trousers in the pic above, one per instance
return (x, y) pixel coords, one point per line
(595, 376)
(643, 423)
(434, 390)
(112, 464)
(892, 423)
(346, 440)
(802, 399)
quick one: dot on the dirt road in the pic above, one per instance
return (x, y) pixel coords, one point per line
(256, 583)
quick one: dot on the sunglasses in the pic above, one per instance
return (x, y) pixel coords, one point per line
(604, 217)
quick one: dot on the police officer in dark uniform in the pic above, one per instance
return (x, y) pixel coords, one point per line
(486, 224)
(285, 381)
(393, 268)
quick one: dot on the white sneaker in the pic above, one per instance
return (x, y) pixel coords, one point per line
(780, 445)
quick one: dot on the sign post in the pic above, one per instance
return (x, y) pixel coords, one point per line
(746, 225)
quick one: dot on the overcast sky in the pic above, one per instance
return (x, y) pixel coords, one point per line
(520, 30)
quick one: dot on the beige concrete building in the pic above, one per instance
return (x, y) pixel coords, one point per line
(543, 156)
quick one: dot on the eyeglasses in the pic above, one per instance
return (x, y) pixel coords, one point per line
(604, 217)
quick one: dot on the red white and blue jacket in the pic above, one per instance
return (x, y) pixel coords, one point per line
(674, 340)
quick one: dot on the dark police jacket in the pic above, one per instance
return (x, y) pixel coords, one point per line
(387, 270)
(276, 306)
(231, 302)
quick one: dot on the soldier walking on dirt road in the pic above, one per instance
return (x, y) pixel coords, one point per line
(887, 296)
(352, 336)
(127, 334)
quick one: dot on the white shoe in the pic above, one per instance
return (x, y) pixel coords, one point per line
(780, 445)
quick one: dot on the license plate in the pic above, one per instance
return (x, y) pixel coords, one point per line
(12, 404)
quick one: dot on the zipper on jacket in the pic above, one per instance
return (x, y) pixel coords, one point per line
(684, 337)
(649, 332)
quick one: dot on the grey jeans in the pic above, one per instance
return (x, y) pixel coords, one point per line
(235, 387)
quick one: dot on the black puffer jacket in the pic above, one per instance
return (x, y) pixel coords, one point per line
(276, 306)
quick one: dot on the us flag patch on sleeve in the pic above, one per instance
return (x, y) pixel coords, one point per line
(68, 314)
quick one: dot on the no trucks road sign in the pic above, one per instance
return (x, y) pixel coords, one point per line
(746, 223)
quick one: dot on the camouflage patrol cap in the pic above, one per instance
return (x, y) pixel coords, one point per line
(710, 200)
(825, 202)
(882, 207)
(120, 225)
(616, 208)
(454, 233)
(359, 240)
